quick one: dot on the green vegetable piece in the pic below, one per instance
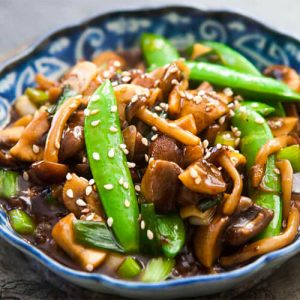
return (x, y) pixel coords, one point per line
(279, 110)
(157, 50)
(158, 269)
(109, 167)
(37, 96)
(209, 203)
(168, 233)
(129, 268)
(255, 132)
(248, 85)
(95, 235)
(292, 153)
(8, 183)
(21, 222)
(232, 59)
(260, 107)
(225, 138)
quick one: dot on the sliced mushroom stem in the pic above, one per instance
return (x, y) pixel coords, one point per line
(164, 126)
(232, 201)
(57, 126)
(286, 172)
(265, 151)
(265, 245)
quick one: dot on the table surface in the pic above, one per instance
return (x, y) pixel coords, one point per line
(18, 27)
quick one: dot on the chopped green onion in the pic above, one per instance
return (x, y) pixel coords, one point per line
(96, 235)
(226, 138)
(129, 268)
(37, 96)
(292, 153)
(158, 269)
(8, 183)
(67, 93)
(21, 222)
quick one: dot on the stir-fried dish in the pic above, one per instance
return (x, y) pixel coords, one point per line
(156, 164)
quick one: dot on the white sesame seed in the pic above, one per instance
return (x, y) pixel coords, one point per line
(158, 108)
(231, 113)
(84, 159)
(198, 180)
(126, 185)
(131, 165)
(88, 190)
(207, 155)
(222, 120)
(144, 141)
(111, 153)
(25, 176)
(150, 234)
(91, 181)
(108, 186)
(151, 159)
(228, 92)
(205, 143)
(175, 82)
(89, 267)
(69, 176)
(113, 129)
(86, 112)
(95, 123)
(117, 64)
(94, 111)
(126, 78)
(114, 83)
(237, 141)
(106, 74)
(127, 203)
(125, 151)
(218, 146)
(146, 157)
(137, 188)
(80, 202)
(154, 128)
(73, 105)
(110, 221)
(194, 173)
(134, 98)
(259, 120)
(85, 210)
(57, 145)
(237, 133)
(113, 108)
(276, 171)
(35, 149)
(121, 181)
(70, 193)
(154, 137)
(123, 146)
(90, 216)
(143, 225)
(96, 156)
(94, 98)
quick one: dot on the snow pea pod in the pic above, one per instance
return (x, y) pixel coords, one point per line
(105, 150)
(255, 132)
(260, 107)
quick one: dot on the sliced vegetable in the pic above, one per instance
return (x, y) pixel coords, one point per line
(21, 222)
(130, 268)
(8, 183)
(292, 153)
(158, 269)
(226, 138)
(95, 235)
(109, 167)
(260, 107)
(37, 96)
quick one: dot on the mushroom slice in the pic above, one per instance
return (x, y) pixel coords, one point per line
(108, 59)
(160, 183)
(203, 177)
(208, 240)
(80, 76)
(63, 234)
(26, 149)
(265, 245)
(11, 135)
(282, 126)
(23, 121)
(78, 195)
(248, 224)
(192, 154)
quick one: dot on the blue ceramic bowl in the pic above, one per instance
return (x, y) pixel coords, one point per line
(54, 54)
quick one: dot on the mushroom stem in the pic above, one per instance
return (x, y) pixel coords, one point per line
(265, 245)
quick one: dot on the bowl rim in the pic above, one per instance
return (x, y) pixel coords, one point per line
(15, 240)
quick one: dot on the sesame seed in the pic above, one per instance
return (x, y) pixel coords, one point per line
(228, 92)
(143, 225)
(86, 112)
(80, 202)
(234, 129)
(154, 128)
(207, 155)
(126, 78)
(259, 120)
(91, 181)
(123, 146)
(237, 141)
(222, 120)
(88, 190)
(127, 203)
(113, 108)
(113, 129)
(231, 113)
(25, 176)
(131, 165)
(121, 181)
(84, 159)
(35, 149)
(175, 82)
(134, 98)
(108, 186)
(94, 98)
(69, 176)
(126, 185)
(114, 83)
(218, 146)
(144, 141)
(70, 193)
(194, 173)
(158, 108)
(90, 216)
(111, 153)
(276, 171)
(125, 151)
(154, 137)
(110, 221)
(146, 157)
(151, 159)
(198, 180)
(95, 123)
(205, 143)
(117, 64)
(57, 144)
(137, 188)
(85, 210)
(72, 105)
(106, 74)
(237, 133)
(150, 234)
(89, 267)
(94, 111)
(96, 156)
(173, 69)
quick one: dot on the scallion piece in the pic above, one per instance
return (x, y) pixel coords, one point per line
(21, 222)
(292, 153)
(129, 268)
(37, 96)
(8, 183)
